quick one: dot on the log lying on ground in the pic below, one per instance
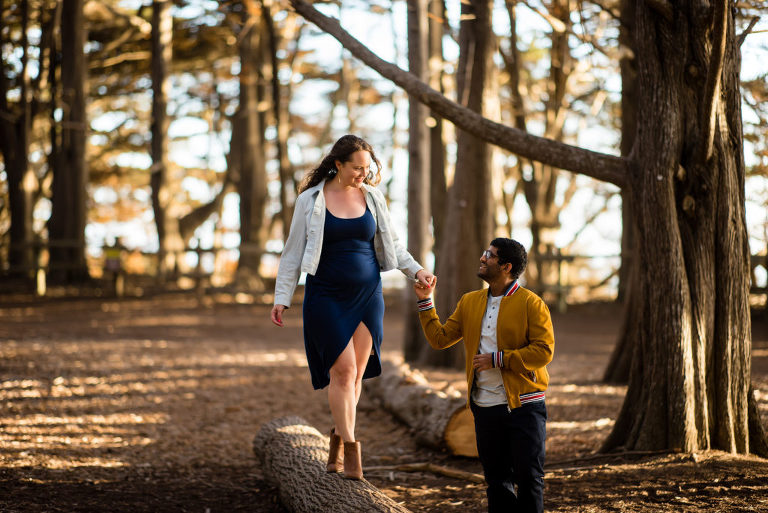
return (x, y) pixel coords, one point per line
(437, 418)
(293, 456)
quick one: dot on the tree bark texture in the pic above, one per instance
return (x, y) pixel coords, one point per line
(66, 228)
(418, 171)
(689, 380)
(293, 456)
(617, 370)
(469, 205)
(169, 241)
(438, 419)
(628, 70)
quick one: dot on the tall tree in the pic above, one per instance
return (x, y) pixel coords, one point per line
(689, 386)
(251, 165)
(617, 370)
(468, 210)
(66, 229)
(281, 116)
(15, 126)
(540, 185)
(438, 188)
(418, 167)
(169, 239)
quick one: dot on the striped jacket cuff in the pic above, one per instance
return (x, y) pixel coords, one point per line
(425, 304)
(532, 397)
(497, 359)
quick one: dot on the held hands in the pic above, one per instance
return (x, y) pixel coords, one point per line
(425, 284)
(426, 278)
(277, 315)
(481, 362)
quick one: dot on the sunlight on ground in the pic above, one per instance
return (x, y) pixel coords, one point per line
(118, 386)
(26, 439)
(582, 425)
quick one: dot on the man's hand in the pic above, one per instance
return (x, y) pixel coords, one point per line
(482, 362)
(424, 291)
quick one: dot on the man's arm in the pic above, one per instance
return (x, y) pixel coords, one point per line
(439, 336)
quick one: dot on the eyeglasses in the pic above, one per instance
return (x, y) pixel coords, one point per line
(488, 255)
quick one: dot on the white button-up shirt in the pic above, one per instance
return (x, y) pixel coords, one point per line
(488, 389)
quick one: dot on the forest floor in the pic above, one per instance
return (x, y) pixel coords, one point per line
(151, 405)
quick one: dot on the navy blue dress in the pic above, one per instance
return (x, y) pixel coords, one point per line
(344, 291)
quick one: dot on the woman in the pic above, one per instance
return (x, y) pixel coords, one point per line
(341, 237)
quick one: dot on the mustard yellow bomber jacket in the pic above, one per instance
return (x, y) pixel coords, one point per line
(523, 333)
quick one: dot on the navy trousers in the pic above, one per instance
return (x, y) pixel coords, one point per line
(510, 444)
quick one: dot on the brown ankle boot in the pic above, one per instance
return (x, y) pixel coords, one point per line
(335, 454)
(353, 465)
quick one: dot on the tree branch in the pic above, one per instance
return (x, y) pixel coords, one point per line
(597, 165)
(712, 91)
(741, 37)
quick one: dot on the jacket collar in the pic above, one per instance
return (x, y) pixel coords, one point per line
(509, 291)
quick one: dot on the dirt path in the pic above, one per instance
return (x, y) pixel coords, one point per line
(150, 405)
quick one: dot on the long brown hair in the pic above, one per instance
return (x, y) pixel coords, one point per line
(342, 150)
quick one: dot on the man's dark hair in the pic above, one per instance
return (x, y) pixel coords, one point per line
(511, 252)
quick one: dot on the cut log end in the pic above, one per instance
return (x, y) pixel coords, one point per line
(460, 434)
(439, 418)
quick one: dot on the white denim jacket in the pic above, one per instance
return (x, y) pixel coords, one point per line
(305, 241)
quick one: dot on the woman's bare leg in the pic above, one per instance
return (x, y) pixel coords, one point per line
(363, 342)
(346, 382)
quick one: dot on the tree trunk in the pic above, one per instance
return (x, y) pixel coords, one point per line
(282, 126)
(292, 456)
(621, 358)
(168, 238)
(628, 69)
(252, 184)
(540, 187)
(438, 188)
(438, 419)
(418, 172)
(66, 228)
(689, 383)
(469, 212)
(15, 126)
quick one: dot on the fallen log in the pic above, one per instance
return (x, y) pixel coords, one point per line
(438, 418)
(293, 456)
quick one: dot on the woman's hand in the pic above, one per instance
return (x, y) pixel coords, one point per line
(277, 315)
(426, 278)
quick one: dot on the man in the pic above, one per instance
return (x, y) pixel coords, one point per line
(508, 341)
